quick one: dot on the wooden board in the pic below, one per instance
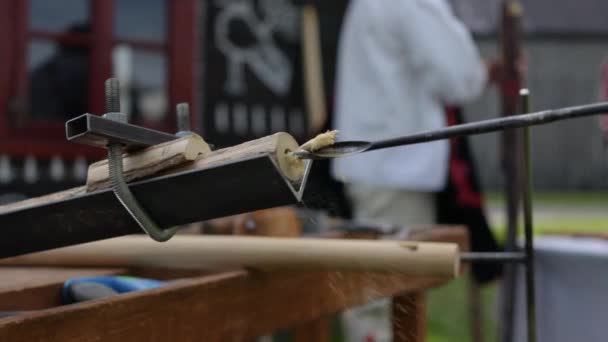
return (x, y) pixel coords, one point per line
(238, 305)
(318, 330)
(409, 317)
(24, 288)
(232, 306)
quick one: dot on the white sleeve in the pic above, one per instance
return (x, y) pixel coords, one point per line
(442, 51)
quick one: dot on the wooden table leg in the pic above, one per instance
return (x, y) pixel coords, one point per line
(409, 317)
(318, 330)
(476, 309)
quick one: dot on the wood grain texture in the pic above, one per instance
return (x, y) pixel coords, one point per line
(281, 221)
(38, 288)
(266, 253)
(277, 145)
(318, 330)
(149, 161)
(409, 317)
(231, 306)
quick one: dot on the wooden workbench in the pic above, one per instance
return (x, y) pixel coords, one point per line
(233, 305)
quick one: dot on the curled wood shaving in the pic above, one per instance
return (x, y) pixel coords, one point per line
(320, 141)
(314, 144)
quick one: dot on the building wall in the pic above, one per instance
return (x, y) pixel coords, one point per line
(566, 155)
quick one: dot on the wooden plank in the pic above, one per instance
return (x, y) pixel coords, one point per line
(234, 306)
(231, 306)
(35, 288)
(282, 221)
(476, 314)
(318, 330)
(24, 288)
(409, 317)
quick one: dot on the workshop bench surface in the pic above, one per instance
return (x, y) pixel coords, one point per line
(197, 305)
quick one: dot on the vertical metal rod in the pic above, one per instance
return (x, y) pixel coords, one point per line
(526, 183)
(511, 50)
(112, 98)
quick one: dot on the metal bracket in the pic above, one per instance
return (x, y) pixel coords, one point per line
(98, 131)
(113, 131)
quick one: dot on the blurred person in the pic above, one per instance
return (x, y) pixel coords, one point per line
(400, 64)
(59, 87)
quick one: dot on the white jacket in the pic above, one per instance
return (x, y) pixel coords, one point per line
(400, 62)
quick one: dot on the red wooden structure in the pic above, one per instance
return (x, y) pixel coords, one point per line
(24, 28)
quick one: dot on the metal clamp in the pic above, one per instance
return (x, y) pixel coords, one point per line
(115, 151)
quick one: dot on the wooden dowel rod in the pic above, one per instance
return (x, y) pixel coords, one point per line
(149, 161)
(265, 253)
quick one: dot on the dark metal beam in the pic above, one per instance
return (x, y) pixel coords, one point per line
(175, 199)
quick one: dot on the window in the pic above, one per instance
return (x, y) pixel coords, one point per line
(57, 61)
(140, 59)
(56, 55)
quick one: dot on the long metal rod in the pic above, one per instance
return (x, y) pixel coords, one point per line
(502, 257)
(345, 148)
(528, 225)
(511, 82)
(493, 125)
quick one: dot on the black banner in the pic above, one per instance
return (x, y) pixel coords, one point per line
(253, 76)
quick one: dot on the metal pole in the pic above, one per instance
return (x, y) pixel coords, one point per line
(503, 257)
(492, 125)
(526, 187)
(509, 85)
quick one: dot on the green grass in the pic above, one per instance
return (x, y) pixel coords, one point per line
(560, 226)
(553, 198)
(448, 308)
(448, 312)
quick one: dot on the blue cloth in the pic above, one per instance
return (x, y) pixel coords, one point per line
(120, 284)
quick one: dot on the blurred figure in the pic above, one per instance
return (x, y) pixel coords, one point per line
(59, 87)
(400, 63)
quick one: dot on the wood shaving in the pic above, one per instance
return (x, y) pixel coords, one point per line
(320, 141)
